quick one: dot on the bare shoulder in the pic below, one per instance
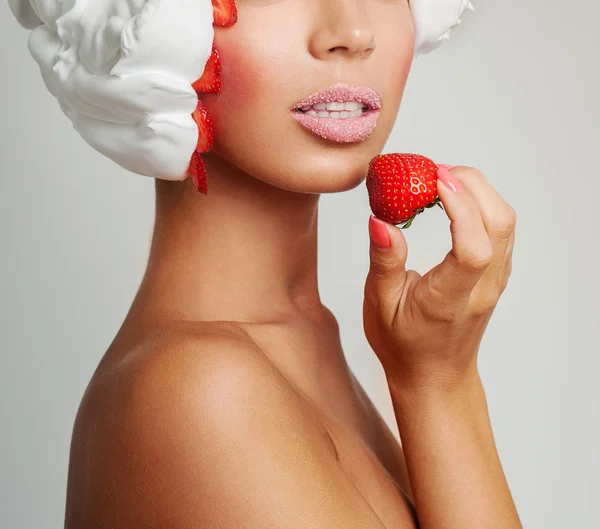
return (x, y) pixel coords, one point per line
(200, 429)
(212, 370)
(218, 376)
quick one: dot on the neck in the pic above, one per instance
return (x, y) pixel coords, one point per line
(247, 251)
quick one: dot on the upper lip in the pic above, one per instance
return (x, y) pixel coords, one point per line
(343, 92)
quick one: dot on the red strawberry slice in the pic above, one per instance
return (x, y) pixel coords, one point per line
(225, 12)
(401, 186)
(210, 81)
(206, 133)
(197, 171)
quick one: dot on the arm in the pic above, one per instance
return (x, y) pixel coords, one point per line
(426, 331)
(455, 472)
(217, 438)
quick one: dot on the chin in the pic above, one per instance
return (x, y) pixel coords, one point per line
(298, 162)
(334, 172)
(333, 169)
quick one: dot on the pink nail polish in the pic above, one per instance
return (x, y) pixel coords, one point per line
(450, 181)
(378, 233)
(445, 165)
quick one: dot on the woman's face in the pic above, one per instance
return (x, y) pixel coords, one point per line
(281, 51)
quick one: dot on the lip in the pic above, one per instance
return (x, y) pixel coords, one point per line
(342, 130)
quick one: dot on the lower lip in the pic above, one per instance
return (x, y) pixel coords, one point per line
(340, 130)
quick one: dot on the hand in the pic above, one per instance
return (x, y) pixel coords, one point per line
(426, 330)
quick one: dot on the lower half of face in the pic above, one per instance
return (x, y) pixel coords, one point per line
(281, 51)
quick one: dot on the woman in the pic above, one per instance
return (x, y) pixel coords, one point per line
(225, 399)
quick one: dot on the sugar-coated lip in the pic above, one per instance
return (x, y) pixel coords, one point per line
(344, 93)
(340, 130)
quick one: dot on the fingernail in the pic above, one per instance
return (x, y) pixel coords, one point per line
(448, 180)
(378, 233)
(445, 165)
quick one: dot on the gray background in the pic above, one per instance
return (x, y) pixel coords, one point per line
(514, 93)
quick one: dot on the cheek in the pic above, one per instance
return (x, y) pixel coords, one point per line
(398, 51)
(240, 120)
(404, 63)
(399, 60)
(239, 77)
(242, 99)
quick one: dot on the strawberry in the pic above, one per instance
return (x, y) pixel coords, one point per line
(205, 142)
(210, 81)
(401, 186)
(197, 171)
(206, 134)
(225, 12)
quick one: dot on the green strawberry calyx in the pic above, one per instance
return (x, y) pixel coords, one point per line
(406, 224)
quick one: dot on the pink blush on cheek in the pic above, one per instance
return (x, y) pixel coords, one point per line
(238, 79)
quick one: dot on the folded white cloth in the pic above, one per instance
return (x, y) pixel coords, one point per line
(434, 20)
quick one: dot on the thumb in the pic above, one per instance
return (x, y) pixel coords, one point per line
(388, 253)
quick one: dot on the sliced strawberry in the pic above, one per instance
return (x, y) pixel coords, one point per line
(206, 134)
(197, 171)
(225, 12)
(210, 81)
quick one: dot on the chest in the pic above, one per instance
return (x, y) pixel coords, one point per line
(367, 451)
(361, 461)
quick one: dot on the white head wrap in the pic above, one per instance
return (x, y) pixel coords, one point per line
(122, 70)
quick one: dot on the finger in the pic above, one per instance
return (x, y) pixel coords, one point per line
(486, 293)
(506, 267)
(387, 273)
(456, 276)
(498, 217)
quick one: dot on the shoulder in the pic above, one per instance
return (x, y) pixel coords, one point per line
(204, 430)
(206, 357)
(221, 384)
(210, 370)
(213, 372)
(171, 359)
(212, 360)
(208, 385)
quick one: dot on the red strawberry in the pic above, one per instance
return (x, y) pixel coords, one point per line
(206, 134)
(205, 142)
(210, 81)
(197, 171)
(401, 186)
(225, 12)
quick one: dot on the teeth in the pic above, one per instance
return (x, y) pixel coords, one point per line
(335, 115)
(335, 106)
(352, 106)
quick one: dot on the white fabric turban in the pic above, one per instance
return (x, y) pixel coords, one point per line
(122, 70)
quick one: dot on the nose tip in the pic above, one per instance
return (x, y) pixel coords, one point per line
(343, 30)
(360, 41)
